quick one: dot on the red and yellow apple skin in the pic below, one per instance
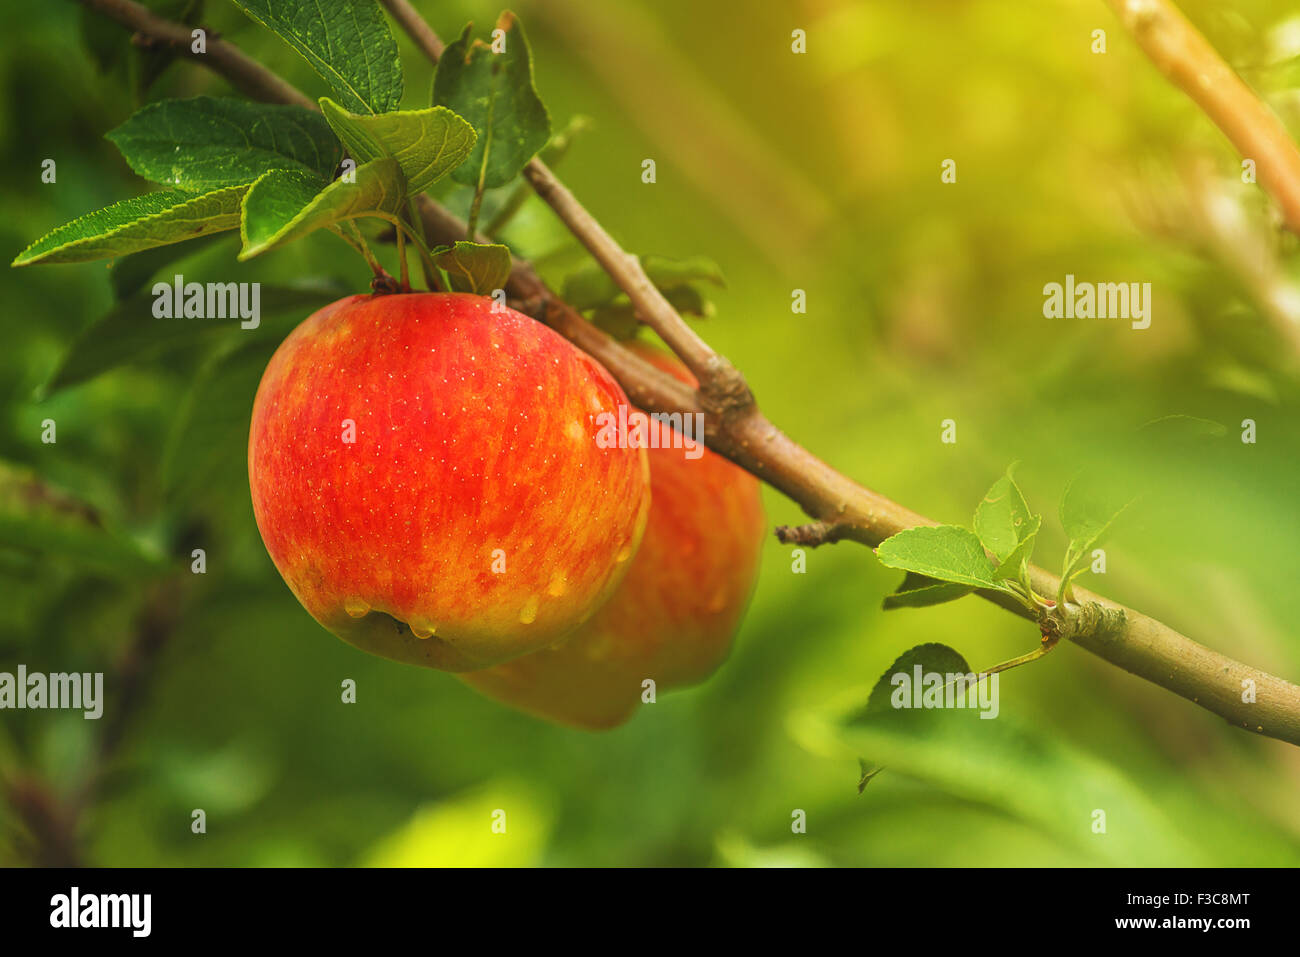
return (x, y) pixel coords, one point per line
(472, 517)
(675, 614)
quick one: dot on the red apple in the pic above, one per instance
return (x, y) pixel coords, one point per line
(425, 478)
(673, 618)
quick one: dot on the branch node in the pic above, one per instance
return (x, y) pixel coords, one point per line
(1071, 621)
(724, 391)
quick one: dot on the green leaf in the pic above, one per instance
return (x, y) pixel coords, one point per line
(154, 219)
(687, 300)
(428, 144)
(495, 93)
(947, 552)
(918, 591)
(590, 287)
(284, 205)
(1089, 507)
(37, 518)
(620, 321)
(129, 332)
(1014, 563)
(1179, 427)
(346, 41)
(205, 143)
(1013, 767)
(273, 201)
(617, 322)
(1003, 518)
(931, 657)
(620, 318)
(475, 267)
(670, 273)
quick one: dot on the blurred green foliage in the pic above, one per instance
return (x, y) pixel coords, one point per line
(818, 172)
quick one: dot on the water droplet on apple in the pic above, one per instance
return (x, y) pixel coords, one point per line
(528, 614)
(356, 607)
(558, 586)
(422, 628)
(624, 554)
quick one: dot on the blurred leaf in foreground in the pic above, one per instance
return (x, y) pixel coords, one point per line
(505, 824)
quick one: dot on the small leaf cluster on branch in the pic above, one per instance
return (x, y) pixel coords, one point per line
(945, 562)
(273, 171)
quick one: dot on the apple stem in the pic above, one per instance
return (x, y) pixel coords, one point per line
(352, 234)
(421, 241)
(1047, 644)
(472, 222)
(434, 277)
(551, 153)
(403, 269)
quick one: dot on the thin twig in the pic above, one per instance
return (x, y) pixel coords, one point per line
(552, 153)
(721, 385)
(402, 265)
(416, 27)
(735, 428)
(812, 535)
(1190, 62)
(244, 73)
(154, 627)
(1044, 646)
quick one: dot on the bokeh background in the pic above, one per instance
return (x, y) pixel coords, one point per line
(820, 172)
